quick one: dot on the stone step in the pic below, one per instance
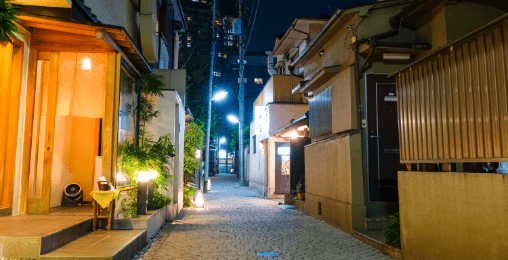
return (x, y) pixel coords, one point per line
(102, 244)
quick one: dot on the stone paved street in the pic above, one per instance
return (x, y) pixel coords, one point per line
(237, 224)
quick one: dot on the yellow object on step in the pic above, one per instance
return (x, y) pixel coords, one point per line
(104, 197)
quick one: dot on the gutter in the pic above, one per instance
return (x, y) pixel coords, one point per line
(337, 15)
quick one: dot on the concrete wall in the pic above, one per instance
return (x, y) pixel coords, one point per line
(257, 163)
(281, 115)
(119, 13)
(448, 215)
(334, 179)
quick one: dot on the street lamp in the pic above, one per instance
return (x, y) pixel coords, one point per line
(217, 97)
(233, 119)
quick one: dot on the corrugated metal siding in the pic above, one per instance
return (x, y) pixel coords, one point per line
(320, 113)
(453, 107)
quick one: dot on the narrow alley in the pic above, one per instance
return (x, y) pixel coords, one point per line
(237, 224)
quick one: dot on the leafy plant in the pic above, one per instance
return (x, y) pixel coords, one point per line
(130, 203)
(392, 231)
(188, 192)
(299, 187)
(8, 14)
(160, 200)
(194, 136)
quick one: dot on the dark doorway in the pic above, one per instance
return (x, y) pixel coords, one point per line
(282, 168)
(298, 160)
(382, 138)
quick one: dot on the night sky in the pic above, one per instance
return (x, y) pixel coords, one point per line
(275, 16)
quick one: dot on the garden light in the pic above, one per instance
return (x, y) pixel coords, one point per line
(199, 201)
(146, 176)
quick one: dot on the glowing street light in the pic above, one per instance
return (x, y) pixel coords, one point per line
(223, 140)
(217, 97)
(233, 119)
(220, 96)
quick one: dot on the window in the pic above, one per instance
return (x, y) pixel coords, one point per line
(195, 0)
(254, 144)
(189, 45)
(258, 80)
(219, 54)
(189, 38)
(217, 35)
(203, 1)
(216, 73)
(225, 56)
(189, 18)
(230, 37)
(230, 43)
(244, 80)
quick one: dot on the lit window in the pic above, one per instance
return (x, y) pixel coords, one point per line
(189, 45)
(230, 37)
(217, 35)
(203, 1)
(225, 55)
(195, 0)
(219, 54)
(216, 74)
(189, 18)
(189, 38)
(258, 80)
(230, 44)
(244, 80)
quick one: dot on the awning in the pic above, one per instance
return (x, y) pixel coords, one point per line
(55, 34)
(320, 78)
(293, 126)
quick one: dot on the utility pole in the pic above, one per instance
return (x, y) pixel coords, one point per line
(241, 98)
(210, 90)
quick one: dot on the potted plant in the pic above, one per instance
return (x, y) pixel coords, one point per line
(300, 190)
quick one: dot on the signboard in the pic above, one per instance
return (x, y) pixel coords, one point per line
(262, 120)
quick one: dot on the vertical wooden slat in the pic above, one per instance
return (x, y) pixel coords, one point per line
(468, 81)
(399, 116)
(484, 92)
(410, 116)
(116, 117)
(50, 133)
(456, 103)
(462, 139)
(405, 94)
(27, 139)
(450, 105)
(401, 95)
(439, 123)
(444, 108)
(432, 98)
(7, 50)
(502, 55)
(429, 109)
(475, 70)
(414, 105)
(423, 110)
(492, 97)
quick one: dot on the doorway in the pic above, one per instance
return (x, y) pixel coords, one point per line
(282, 168)
(382, 138)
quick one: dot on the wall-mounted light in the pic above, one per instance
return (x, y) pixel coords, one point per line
(199, 202)
(396, 56)
(293, 134)
(87, 64)
(322, 53)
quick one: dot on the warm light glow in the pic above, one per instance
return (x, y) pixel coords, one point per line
(301, 128)
(293, 135)
(198, 154)
(87, 64)
(223, 140)
(233, 119)
(199, 201)
(220, 96)
(146, 176)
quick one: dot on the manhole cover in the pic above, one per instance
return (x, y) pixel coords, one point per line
(268, 254)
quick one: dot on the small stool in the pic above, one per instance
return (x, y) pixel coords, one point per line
(98, 217)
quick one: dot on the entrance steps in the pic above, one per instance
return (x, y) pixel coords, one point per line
(103, 245)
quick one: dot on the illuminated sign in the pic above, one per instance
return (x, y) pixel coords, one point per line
(261, 120)
(283, 150)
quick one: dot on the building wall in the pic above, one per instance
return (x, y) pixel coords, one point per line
(281, 115)
(119, 13)
(334, 179)
(257, 163)
(448, 215)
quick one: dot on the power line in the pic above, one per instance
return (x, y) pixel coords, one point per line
(250, 33)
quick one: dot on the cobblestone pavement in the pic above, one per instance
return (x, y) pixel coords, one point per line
(237, 224)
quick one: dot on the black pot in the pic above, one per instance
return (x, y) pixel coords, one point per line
(72, 191)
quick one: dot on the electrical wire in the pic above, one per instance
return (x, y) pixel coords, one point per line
(251, 30)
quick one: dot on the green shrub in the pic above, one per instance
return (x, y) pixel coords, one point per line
(160, 200)
(8, 14)
(188, 192)
(392, 231)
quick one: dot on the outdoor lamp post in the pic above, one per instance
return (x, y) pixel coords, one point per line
(217, 97)
(144, 179)
(233, 119)
(221, 141)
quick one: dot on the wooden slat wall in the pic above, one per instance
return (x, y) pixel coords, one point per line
(453, 107)
(320, 113)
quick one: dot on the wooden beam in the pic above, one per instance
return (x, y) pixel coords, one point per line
(116, 116)
(102, 34)
(7, 50)
(27, 139)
